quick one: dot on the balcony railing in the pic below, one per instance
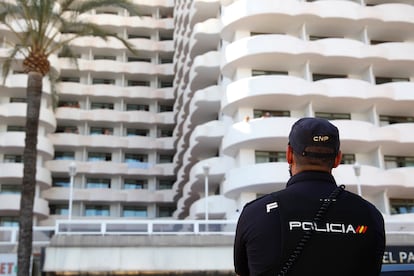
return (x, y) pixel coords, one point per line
(146, 227)
(42, 235)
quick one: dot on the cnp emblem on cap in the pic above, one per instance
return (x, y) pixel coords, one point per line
(319, 138)
(314, 132)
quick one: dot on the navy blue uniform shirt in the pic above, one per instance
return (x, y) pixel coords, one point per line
(349, 241)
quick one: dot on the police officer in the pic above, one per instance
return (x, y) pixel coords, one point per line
(312, 227)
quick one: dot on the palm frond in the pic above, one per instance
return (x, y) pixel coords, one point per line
(38, 25)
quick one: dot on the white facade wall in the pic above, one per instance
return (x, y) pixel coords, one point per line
(114, 119)
(349, 61)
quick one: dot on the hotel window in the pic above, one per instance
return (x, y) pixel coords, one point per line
(16, 128)
(132, 158)
(316, 77)
(137, 132)
(98, 183)
(65, 53)
(261, 33)
(165, 158)
(10, 189)
(9, 221)
(259, 113)
(59, 209)
(138, 83)
(74, 104)
(164, 133)
(17, 100)
(398, 161)
(102, 106)
(135, 184)
(165, 108)
(99, 156)
(348, 159)
(13, 158)
(64, 155)
(103, 81)
(70, 79)
(164, 84)
(256, 72)
(165, 184)
(388, 120)
(67, 129)
(135, 211)
(132, 36)
(166, 60)
(96, 210)
(165, 37)
(113, 12)
(133, 107)
(333, 116)
(381, 80)
(62, 182)
(270, 156)
(164, 211)
(104, 57)
(139, 59)
(402, 206)
(101, 131)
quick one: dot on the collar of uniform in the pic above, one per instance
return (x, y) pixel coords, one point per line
(311, 176)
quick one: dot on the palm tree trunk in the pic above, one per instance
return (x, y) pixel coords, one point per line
(24, 251)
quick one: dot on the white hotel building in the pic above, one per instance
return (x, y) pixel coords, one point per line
(210, 99)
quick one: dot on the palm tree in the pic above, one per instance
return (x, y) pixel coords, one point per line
(38, 27)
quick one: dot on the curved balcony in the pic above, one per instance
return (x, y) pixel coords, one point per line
(205, 37)
(399, 223)
(205, 70)
(16, 113)
(373, 180)
(101, 90)
(358, 136)
(343, 55)
(104, 115)
(342, 16)
(205, 105)
(13, 173)
(202, 10)
(218, 207)
(257, 178)
(116, 67)
(11, 142)
(17, 83)
(206, 139)
(10, 205)
(140, 44)
(136, 22)
(194, 186)
(266, 133)
(108, 195)
(112, 168)
(293, 92)
(269, 177)
(111, 142)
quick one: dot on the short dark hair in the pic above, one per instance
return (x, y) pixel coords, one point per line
(327, 161)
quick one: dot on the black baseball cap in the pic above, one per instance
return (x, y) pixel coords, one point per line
(314, 132)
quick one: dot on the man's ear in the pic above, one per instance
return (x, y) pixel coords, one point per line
(338, 159)
(289, 154)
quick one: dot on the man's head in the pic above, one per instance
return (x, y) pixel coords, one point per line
(313, 145)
